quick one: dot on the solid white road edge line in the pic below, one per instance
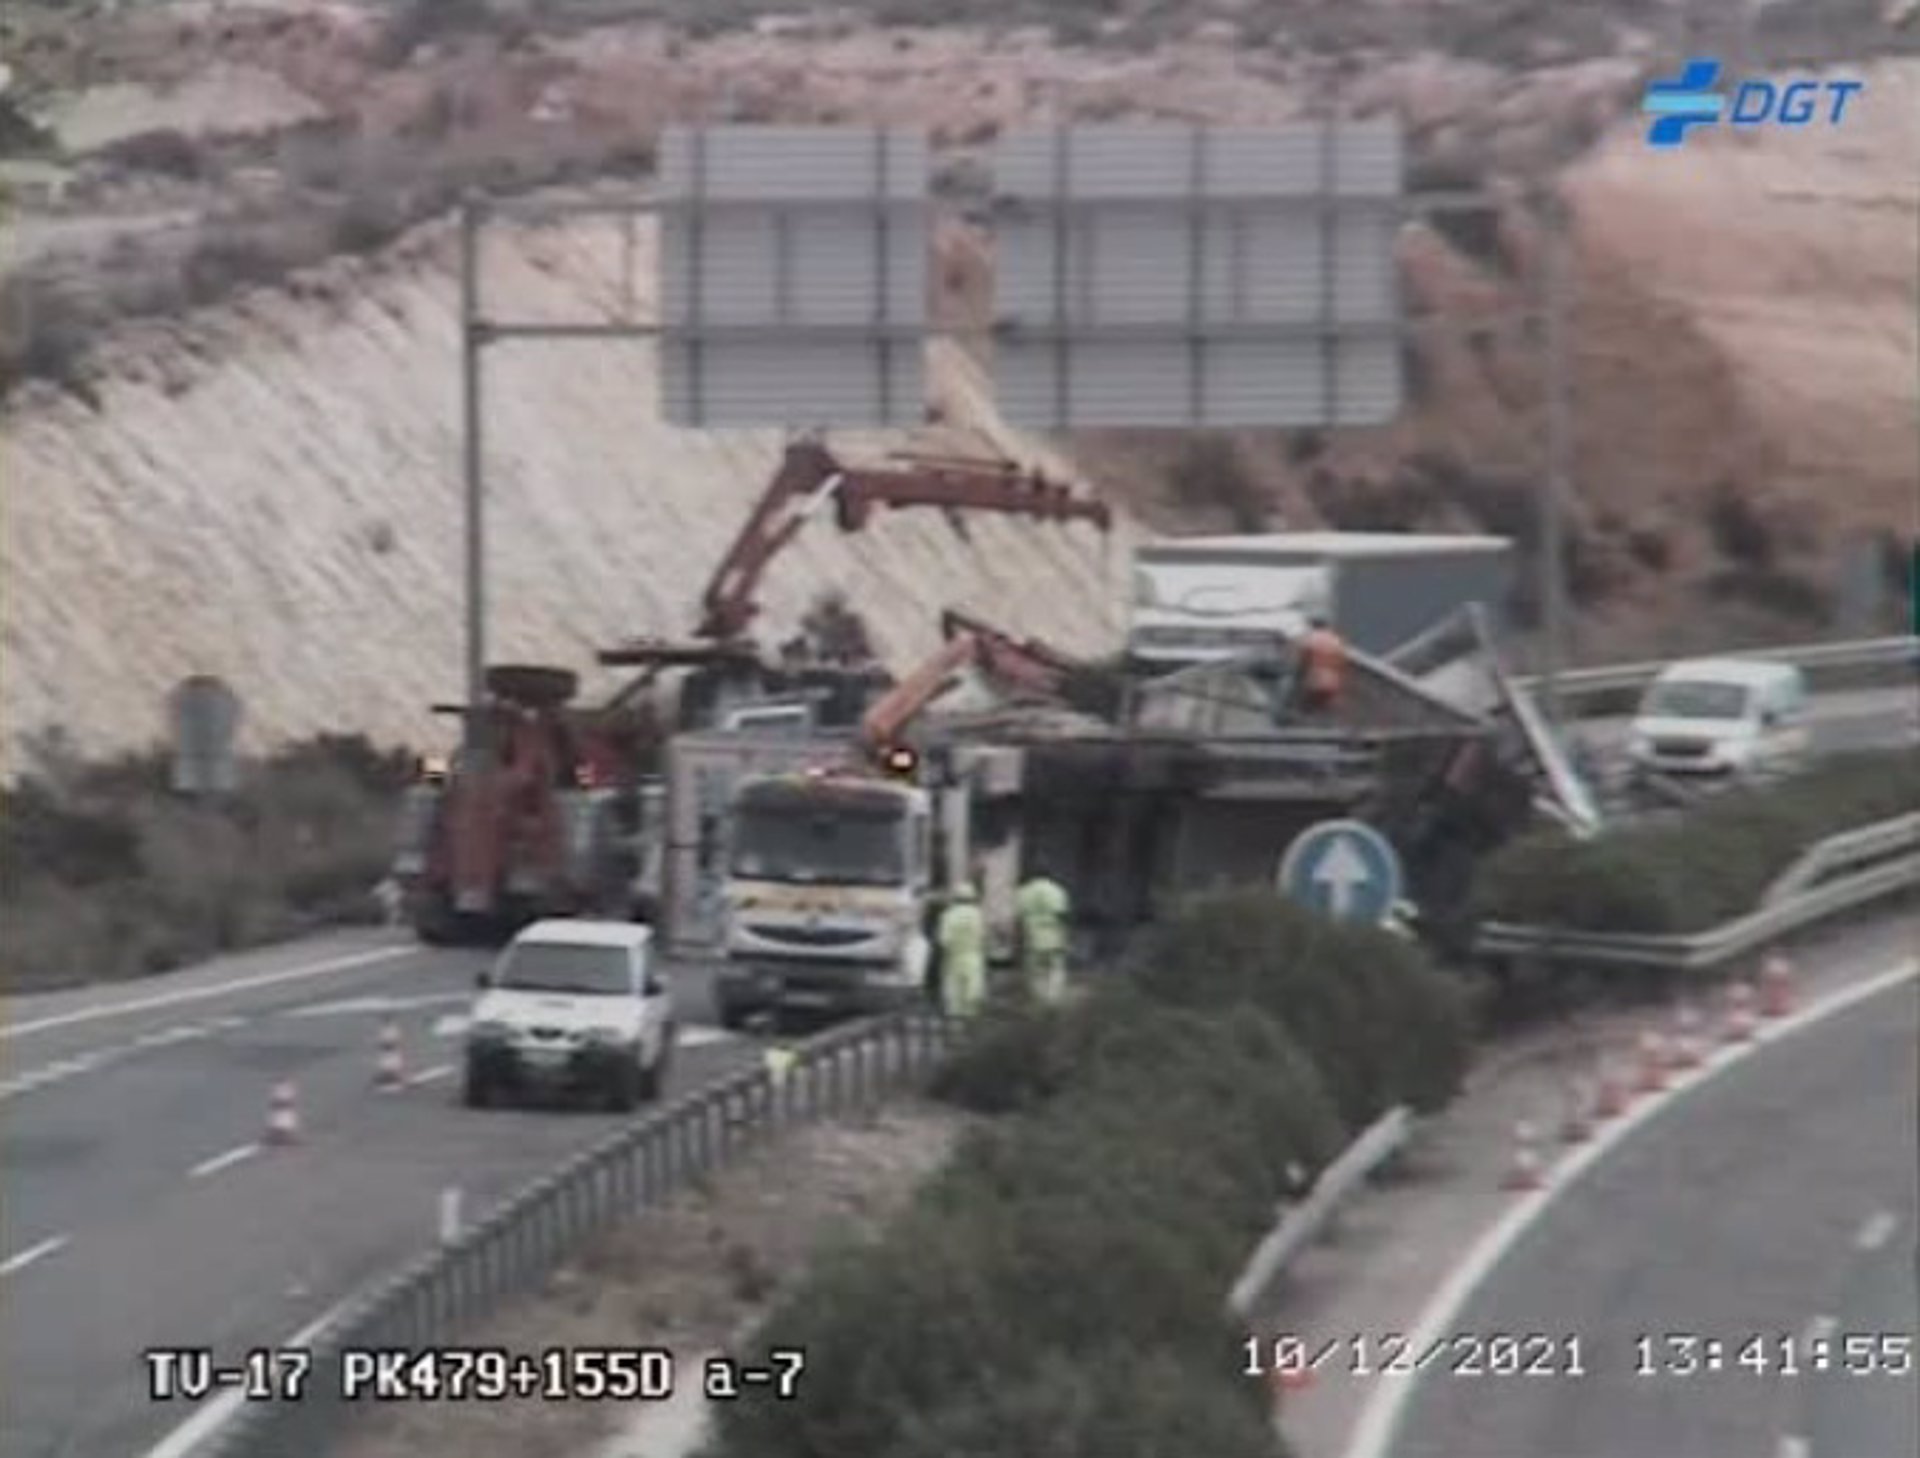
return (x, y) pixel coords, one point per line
(428, 1075)
(1380, 1419)
(31, 1254)
(216, 1412)
(201, 994)
(1877, 1230)
(223, 1161)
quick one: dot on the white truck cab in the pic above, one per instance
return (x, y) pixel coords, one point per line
(572, 1005)
(1722, 716)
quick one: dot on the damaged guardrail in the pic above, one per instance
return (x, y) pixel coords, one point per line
(849, 1070)
(1832, 876)
(1300, 1224)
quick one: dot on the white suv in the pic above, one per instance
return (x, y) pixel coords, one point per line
(575, 1006)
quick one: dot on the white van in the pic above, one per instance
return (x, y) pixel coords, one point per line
(1722, 716)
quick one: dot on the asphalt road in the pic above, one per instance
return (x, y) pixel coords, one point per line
(143, 1208)
(1776, 1202)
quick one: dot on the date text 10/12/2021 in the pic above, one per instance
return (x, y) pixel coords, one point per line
(462, 1374)
(1537, 1354)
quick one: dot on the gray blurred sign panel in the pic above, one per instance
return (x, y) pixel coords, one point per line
(205, 716)
(1194, 277)
(793, 276)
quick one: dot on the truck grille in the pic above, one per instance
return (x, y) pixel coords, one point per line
(809, 936)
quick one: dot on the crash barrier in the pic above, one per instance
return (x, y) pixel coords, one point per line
(849, 1070)
(1299, 1224)
(1830, 877)
(1818, 659)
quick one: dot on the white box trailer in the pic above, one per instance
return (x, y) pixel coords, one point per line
(1202, 598)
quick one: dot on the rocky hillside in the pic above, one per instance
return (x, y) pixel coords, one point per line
(257, 475)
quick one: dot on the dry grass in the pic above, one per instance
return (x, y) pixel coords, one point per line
(689, 1277)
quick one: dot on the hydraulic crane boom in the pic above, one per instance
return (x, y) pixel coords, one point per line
(810, 475)
(1029, 666)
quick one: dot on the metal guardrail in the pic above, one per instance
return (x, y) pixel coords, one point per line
(1835, 875)
(1300, 1223)
(1862, 653)
(851, 1069)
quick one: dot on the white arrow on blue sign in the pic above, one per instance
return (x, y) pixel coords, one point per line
(1344, 869)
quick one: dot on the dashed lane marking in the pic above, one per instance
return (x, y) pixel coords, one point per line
(236, 1155)
(430, 1075)
(31, 1254)
(1877, 1229)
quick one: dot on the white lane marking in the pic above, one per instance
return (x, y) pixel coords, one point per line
(223, 1161)
(703, 1037)
(227, 1025)
(1877, 1229)
(450, 1026)
(201, 994)
(31, 1254)
(351, 1005)
(216, 1412)
(1376, 1433)
(1794, 1446)
(429, 1075)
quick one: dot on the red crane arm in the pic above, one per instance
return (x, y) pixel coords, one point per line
(809, 470)
(1031, 666)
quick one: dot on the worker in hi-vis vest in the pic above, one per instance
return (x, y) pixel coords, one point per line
(1042, 908)
(962, 938)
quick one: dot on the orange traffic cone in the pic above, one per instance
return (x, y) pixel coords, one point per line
(1653, 1063)
(392, 1069)
(1776, 986)
(283, 1116)
(1740, 1023)
(1523, 1173)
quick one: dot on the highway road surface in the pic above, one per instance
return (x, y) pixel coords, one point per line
(143, 1206)
(1776, 1202)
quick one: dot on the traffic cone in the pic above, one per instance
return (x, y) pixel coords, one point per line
(1653, 1063)
(1524, 1171)
(1739, 1026)
(1683, 1049)
(1577, 1126)
(283, 1116)
(1776, 986)
(1609, 1091)
(392, 1070)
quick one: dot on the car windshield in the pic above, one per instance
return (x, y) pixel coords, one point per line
(1696, 699)
(807, 846)
(562, 967)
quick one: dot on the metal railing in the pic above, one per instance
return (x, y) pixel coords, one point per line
(849, 1070)
(1299, 1224)
(1833, 876)
(1814, 657)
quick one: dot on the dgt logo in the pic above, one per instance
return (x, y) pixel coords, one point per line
(1692, 100)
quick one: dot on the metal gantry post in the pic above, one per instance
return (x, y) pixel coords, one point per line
(472, 343)
(1559, 458)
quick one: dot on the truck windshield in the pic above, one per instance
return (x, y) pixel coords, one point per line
(1696, 699)
(560, 967)
(807, 846)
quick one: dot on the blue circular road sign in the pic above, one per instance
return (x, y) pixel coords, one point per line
(1344, 869)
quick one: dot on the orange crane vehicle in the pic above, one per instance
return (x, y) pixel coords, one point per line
(551, 816)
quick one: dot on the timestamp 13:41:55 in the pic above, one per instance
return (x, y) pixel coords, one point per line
(1689, 1354)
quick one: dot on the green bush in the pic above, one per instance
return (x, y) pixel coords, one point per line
(1138, 1404)
(1382, 1025)
(1696, 872)
(105, 874)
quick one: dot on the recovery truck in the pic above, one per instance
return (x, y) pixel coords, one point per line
(553, 809)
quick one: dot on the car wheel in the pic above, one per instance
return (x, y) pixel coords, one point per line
(653, 1079)
(476, 1092)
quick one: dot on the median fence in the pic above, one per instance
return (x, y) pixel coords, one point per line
(513, 1249)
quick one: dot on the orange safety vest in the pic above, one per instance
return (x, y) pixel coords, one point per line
(1324, 656)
